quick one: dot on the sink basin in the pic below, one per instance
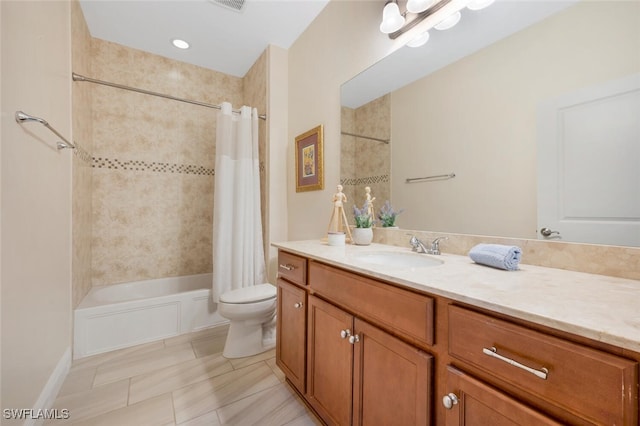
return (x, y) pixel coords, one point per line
(398, 259)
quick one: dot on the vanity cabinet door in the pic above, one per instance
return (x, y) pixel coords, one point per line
(391, 379)
(291, 333)
(329, 362)
(471, 402)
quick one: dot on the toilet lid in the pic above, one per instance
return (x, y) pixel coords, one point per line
(257, 293)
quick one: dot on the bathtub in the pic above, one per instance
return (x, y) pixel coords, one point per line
(121, 315)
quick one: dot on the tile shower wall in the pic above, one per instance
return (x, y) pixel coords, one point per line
(255, 95)
(81, 166)
(366, 162)
(153, 165)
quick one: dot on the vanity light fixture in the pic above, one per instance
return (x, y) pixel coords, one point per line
(180, 44)
(419, 40)
(479, 4)
(449, 22)
(424, 15)
(392, 20)
(417, 6)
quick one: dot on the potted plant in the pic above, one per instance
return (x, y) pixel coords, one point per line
(387, 215)
(362, 234)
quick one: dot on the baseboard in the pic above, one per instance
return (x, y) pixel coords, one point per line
(50, 391)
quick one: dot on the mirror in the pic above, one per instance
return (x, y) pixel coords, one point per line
(477, 101)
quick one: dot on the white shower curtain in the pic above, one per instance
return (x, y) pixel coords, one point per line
(238, 253)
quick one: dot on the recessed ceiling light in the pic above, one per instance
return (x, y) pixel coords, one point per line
(180, 44)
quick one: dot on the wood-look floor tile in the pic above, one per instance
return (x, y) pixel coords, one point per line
(307, 419)
(243, 362)
(219, 330)
(177, 376)
(151, 412)
(78, 380)
(208, 419)
(141, 363)
(276, 370)
(204, 396)
(92, 403)
(209, 345)
(272, 407)
(97, 360)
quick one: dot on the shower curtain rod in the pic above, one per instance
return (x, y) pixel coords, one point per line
(367, 137)
(78, 77)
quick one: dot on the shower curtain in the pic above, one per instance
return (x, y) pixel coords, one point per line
(238, 253)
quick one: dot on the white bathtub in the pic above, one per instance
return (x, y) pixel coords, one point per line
(122, 315)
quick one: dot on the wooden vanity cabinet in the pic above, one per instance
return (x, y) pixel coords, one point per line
(361, 375)
(291, 319)
(365, 352)
(476, 403)
(573, 381)
(291, 333)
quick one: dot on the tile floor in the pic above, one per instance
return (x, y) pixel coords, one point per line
(183, 380)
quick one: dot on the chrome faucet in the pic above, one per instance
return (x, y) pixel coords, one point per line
(419, 247)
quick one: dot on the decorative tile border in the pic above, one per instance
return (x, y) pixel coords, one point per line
(82, 154)
(139, 165)
(364, 180)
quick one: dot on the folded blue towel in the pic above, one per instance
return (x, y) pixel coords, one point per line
(497, 256)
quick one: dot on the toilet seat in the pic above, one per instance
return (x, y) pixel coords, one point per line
(254, 294)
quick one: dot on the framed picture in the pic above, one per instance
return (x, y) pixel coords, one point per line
(309, 165)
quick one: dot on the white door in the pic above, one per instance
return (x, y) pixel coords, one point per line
(589, 165)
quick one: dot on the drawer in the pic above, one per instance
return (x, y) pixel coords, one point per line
(591, 384)
(400, 311)
(292, 268)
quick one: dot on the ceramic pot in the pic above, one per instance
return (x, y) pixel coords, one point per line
(362, 236)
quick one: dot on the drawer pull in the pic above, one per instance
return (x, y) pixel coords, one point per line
(354, 339)
(298, 305)
(493, 352)
(345, 333)
(288, 267)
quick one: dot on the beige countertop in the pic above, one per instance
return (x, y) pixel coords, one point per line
(602, 308)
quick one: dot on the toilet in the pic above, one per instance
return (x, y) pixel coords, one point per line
(252, 313)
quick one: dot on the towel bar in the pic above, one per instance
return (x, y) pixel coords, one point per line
(21, 117)
(439, 177)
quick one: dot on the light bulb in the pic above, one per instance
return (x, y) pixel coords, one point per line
(479, 4)
(392, 20)
(419, 40)
(417, 6)
(449, 22)
(180, 44)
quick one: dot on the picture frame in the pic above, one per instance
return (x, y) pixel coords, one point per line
(309, 160)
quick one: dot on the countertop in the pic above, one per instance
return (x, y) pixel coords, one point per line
(602, 308)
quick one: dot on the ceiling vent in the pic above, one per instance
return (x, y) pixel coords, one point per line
(235, 5)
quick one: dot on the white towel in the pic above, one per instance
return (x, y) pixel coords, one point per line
(497, 256)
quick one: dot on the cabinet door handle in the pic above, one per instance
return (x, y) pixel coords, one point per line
(449, 400)
(493, 352)
(345, 333)
(354, 339)
(288, 266)
(298, 305)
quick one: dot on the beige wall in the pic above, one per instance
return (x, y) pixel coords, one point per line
(153, 165)
(82, 161)
(276, 171)
(477, 118)
(36, 199)
(342, 41)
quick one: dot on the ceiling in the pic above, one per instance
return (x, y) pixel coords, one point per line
(221, 39)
